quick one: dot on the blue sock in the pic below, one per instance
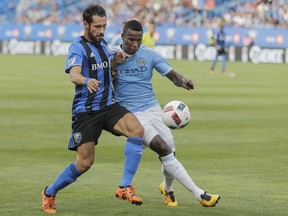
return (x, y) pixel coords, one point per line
(223, 62)
(214, 62)
(133, 155)
(68, 176)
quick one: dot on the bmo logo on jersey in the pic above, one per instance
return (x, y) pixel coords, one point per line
(101, 65)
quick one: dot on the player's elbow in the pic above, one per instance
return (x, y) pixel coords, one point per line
(73, 79)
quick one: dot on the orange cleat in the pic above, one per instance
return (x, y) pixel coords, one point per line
(127, 193)
(48, 203)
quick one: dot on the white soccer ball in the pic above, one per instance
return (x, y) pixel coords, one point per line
(176, 114)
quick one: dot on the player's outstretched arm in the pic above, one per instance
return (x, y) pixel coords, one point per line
(179, 80)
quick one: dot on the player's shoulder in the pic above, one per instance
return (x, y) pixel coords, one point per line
(146, 48)
(76, 43)
(148, 51)
(77, 48)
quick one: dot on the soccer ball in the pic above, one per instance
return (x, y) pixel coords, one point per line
(176, 114)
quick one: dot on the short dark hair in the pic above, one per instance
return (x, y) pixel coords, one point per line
(91, 10)
(133, 25)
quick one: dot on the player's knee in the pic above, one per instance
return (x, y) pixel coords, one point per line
(84, 165)
(138, 131)
(161, 148)
(164, 151)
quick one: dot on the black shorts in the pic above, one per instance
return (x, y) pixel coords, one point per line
(88, 126)
(221, 51)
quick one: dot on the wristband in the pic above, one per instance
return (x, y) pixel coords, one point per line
(86, 81)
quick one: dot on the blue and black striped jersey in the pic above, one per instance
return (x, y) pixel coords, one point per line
(221, 39)
(95, 62)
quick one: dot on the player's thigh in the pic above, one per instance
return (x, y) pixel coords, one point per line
(146, 119)
(161, 128)
(129, 126)
(151, 119)
(165, 133)
(149, 134)
(120, 121)
(87, 128)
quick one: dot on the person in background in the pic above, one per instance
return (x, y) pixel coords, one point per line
(133, 90)
(211, 37)
(94, 110)
(117, 39)
(221, 51)
(148, 37)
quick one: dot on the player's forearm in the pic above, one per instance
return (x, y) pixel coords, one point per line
(77, 78)
(176, 78)
(179, 80)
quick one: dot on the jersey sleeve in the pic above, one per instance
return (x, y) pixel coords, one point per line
(161, 64)
(75, 57)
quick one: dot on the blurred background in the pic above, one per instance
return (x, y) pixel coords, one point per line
(256, 30)
(235, 144)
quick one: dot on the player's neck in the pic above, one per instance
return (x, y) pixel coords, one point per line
(125, 51)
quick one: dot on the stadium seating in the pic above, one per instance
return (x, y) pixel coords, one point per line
(265, 13)
(8, 10)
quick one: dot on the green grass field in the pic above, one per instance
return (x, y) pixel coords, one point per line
(235, 144)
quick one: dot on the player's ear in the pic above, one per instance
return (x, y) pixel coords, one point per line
(122, 35)
(86, 25)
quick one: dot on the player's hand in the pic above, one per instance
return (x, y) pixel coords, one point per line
(120, 57)
(114, 73)
(93, 85)
(187, 84)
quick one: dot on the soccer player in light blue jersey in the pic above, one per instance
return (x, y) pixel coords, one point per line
(133, 90)
(94, 109)
(220, 48)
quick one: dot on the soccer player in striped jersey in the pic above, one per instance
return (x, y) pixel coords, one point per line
(220, 51)
(133, 90)
(94, 109)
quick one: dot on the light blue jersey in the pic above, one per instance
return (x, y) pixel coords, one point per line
(133, 88)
